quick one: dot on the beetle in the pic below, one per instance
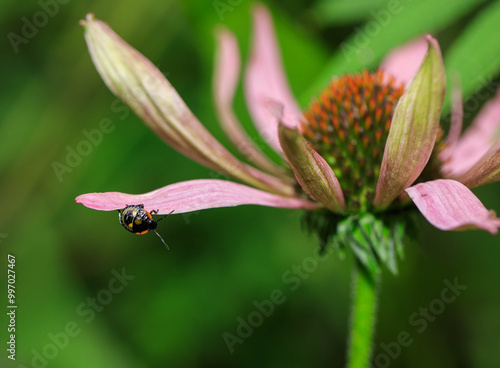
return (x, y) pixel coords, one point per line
(139, 221)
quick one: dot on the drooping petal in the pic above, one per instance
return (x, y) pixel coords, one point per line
(403, 62)
(414, 128)
(226, 74)
(457, 114)
(312, 172)
(265, 80)
(456, 123)
(487, 170)
(450, 205)
(193, 195)
(135, 80)
(476, 142)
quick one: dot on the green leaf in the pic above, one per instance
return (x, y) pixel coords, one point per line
(379, 35)
(475, 55)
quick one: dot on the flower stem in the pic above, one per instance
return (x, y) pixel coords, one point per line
(363, 313)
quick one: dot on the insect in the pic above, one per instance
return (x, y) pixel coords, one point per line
(137, 220)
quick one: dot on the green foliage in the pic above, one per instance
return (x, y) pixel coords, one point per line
(345, 11)
(475, 54)
(387, 28)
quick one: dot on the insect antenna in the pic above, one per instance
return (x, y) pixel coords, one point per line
(159, 236)
(166, 215)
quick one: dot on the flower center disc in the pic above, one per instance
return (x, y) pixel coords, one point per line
(348, 126)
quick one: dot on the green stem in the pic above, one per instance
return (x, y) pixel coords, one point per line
(364, 308)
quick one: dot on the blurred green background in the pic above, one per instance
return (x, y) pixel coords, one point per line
(176, 305)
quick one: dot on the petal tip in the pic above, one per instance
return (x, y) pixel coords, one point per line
(90, 17)
(429, 38)
(221, 32)
(433, 42)
(259, 8)
(449, 205)
(79, 199)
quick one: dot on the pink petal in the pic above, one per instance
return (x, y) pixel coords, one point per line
(414, 128)
(456, 123)
(227, 68)
(142, 86)
(265, 80)
(313, 173)
(450, 205)
(403, 62)
(193, 195)
(457, 114)
(476, 141)
(487, 170)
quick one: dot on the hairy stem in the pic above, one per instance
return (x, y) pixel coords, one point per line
(363, 314)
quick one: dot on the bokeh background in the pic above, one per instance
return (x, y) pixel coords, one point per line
(176, 306)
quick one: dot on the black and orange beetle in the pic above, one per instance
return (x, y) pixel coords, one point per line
(137, 220)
